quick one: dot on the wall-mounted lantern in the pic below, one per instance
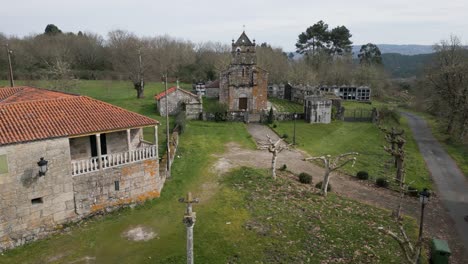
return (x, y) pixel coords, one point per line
(42, 166)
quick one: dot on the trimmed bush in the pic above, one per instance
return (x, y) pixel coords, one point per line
(319, 186)
(285, 136)
(284, 167)
(362, 175)
(271, 116)
(305, 178)
(382, 182)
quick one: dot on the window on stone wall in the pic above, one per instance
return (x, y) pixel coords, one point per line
(3, 164)
(37, 201)
(117, 185)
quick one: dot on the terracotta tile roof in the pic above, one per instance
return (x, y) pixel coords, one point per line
(69, 115)
(8, 91)
(161, 95)
(24, 93)
(171, 90)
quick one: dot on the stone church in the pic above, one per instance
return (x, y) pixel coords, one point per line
(243, 86)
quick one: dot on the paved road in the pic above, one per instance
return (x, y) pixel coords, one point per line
(452, 185)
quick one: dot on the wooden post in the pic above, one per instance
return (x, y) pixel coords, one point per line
(129, 145)
(12, 82)
(98, 143)
(156, 141)
(168, 139)
(189, 221)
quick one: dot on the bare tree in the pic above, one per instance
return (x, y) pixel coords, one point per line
(411, 252)
(333, 163)
(274, 148)
(398, 153)
(391, 137)
(125, 49)
(448, 75)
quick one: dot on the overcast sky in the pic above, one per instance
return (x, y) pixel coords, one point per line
(273, 21)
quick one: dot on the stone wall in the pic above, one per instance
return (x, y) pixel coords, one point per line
(32, 206)
(136, 182)
(318, 110)
(242, 81)
(212, 92)
(80, 148)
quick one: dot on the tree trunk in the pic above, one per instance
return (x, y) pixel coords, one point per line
(273, 164)
(325, 181)
(140, 88)
(399, 175)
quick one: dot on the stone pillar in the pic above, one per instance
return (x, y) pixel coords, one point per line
(189, 221)
(98, 143)
(156, 144)
(129, 145)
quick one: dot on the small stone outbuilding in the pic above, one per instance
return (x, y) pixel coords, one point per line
(179, 100)
(318, 109)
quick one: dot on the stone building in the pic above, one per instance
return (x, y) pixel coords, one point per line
(317, 109)
(180, 100)
(276, 90)
(94, 154)
(347, 92)
(212, 89)
(243, 86)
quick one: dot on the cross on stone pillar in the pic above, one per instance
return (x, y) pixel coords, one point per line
(189, 221)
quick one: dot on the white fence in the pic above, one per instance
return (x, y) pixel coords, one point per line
(112, 160)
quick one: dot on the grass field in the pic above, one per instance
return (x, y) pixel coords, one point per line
(243, 217)
(364, 138)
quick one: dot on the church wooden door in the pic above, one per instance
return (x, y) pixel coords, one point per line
(242, 103)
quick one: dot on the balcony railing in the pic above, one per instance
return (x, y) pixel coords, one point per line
(112, 160)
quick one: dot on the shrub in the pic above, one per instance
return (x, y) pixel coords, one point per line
(319, 186)
(413, 191)
(305, 178)
(271, 116)
(180, 121)
(284, 167)
(362, 175)
(388, 115)
(285, 136)
(382, 182)
(274, 125)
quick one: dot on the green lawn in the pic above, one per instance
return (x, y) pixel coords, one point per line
(283, 105)
(243, 217)
(364, 138)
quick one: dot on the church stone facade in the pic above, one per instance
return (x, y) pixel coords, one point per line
(243, 86)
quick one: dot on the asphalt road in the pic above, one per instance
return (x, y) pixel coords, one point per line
(452, 185)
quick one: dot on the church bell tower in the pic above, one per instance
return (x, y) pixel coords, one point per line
(243, 51)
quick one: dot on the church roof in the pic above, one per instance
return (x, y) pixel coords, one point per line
(243, 40)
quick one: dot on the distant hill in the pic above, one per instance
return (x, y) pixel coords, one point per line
(401, 49)
(404, 66)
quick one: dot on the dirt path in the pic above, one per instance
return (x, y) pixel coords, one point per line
(437, 222)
